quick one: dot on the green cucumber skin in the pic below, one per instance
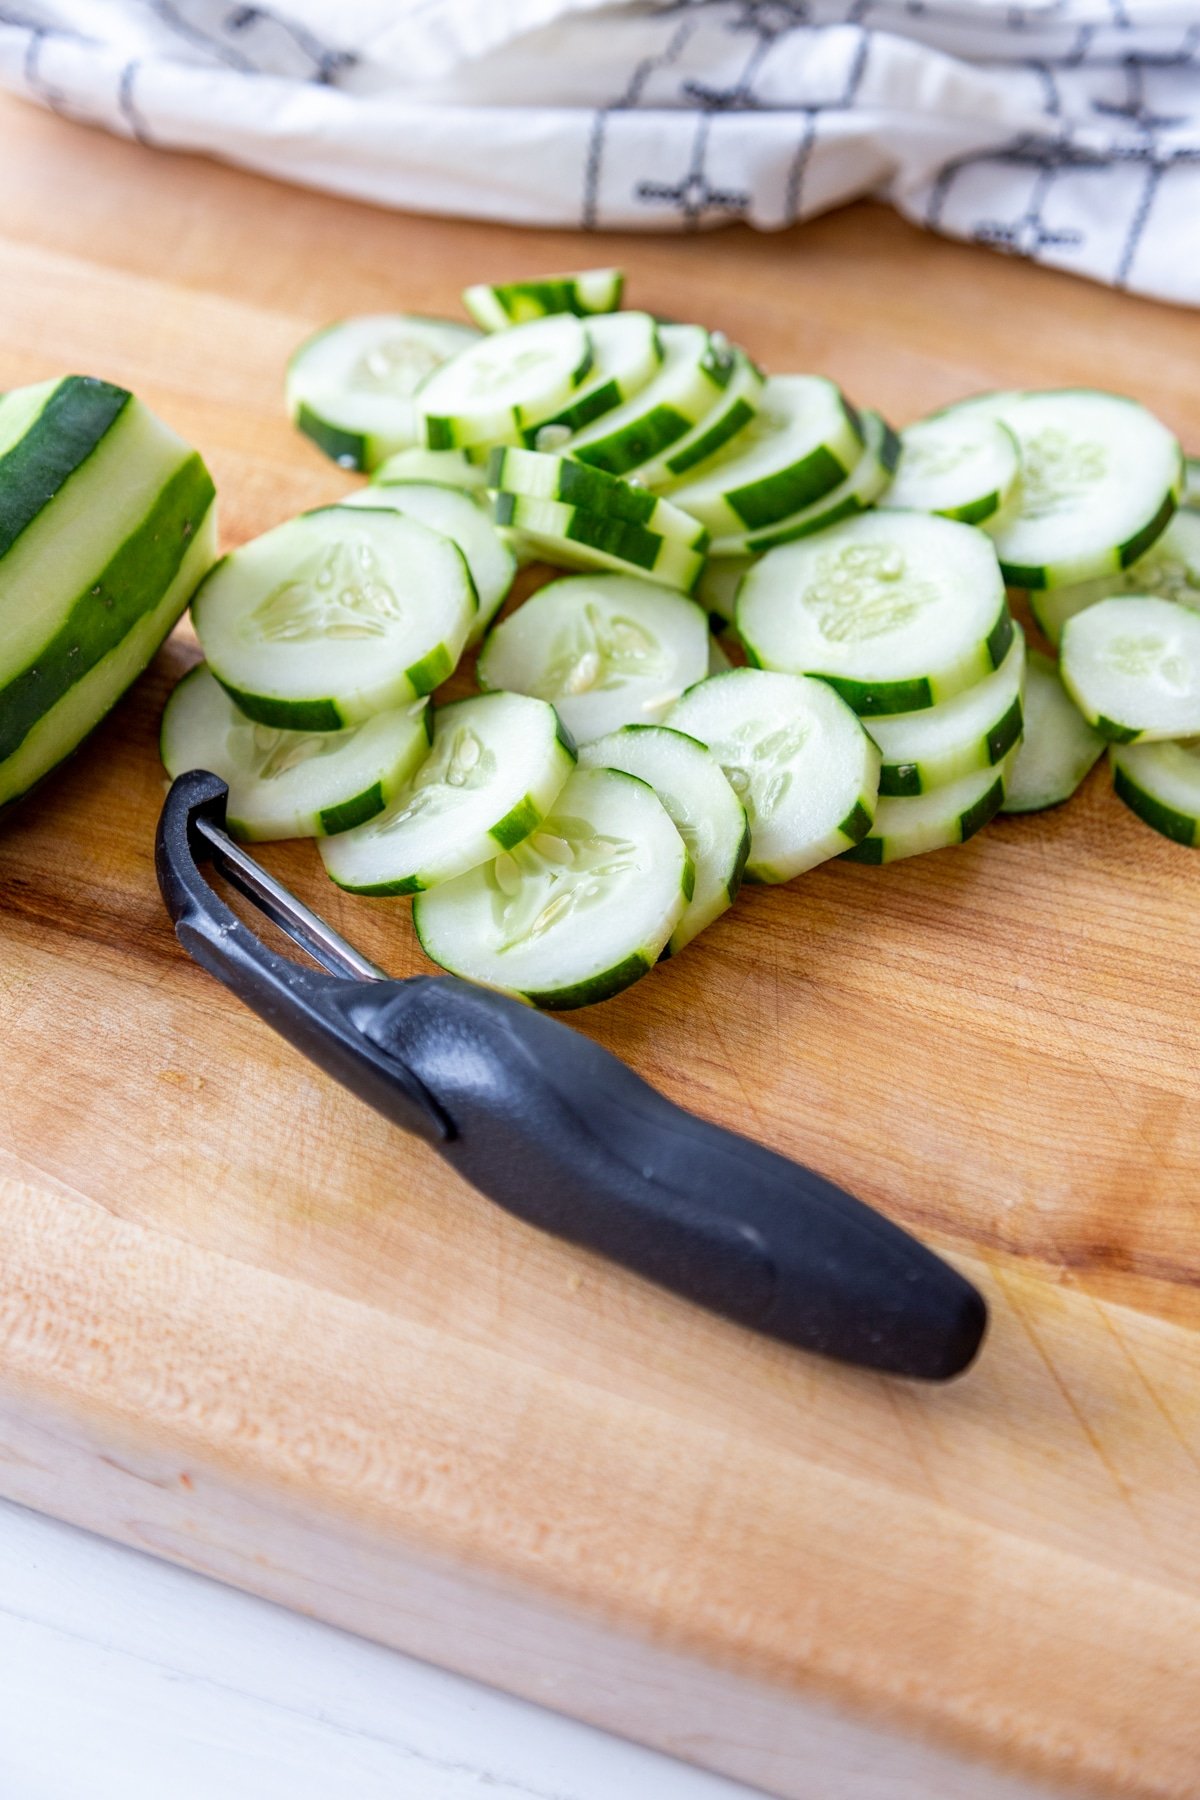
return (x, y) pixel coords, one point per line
(349, 813)
(848, 508)
(600, 987)
(624, 450)
(793, 489)
(592, 489)
(904, 781)
(71, 425)
(1116, 734)
(856, 824)
(432, 670)
(545, 297)
(1176, 826)
(1004, 735)
(1022, 575)
(615, 537)
(731, 422)
(517, 824)
(900, 781)
(134, 580)
(873, 849)
(288, 715)
(738, 872)
(348, 449)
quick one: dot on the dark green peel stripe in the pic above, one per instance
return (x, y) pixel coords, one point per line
(579, 486)
(870, 850)
(385, 890)
(579, 413)
(432, 670)
(1164, 819)
(1116, 734)
(738, 870)
(288, 715)
(688, 879)
(353, 812)
(516, 825)
(901, 781)
(984, 809)
(599, 987)
(857, 823)
(790, 491)
(787, 532)
(715, 438)
(1023, 575)
(889, 447)
(1141, 541)
(132, 584)
(565, 739)
(69, 427)
(871, 698)
(346, 448)
(656, 431)
(1004, 735)
(1000, 637)
(974, 510)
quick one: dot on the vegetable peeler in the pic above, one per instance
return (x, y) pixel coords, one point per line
(562, 1134)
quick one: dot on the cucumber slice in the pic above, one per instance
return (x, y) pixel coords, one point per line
(718, 658)
(463, 520)
(868, 479)
(897, 610)
(1059, 745)
(493, 391)
(606, 650)
(349, 387)
(716, 590)
(573, 538)
(494, 772)
(579, 910)
(803, 442)
(796, 757)
(1161, 784)
(1170, 569)
(626, 351)
(704, 809)
(1100, 478)
(516, 302)
(536, 476)
(734, 409)
(975, 730)
(935, 821)
(695, 371)
(959, 463)
(341, 613)
(285, 784)
(449, 468)
(1132, 667)
(107, 523)
(1191, 482)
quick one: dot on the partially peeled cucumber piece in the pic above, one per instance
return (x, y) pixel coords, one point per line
(496, 389)
(961, 464)
(735, 408)
(538, 476)
(1132, 667)
(869, 478)
(626, 352)
(574, 539)
(350, 387)
(285, 784)
(1161, 784)
(515, 302)
(695, 372)
(934, 821)
(493, 773)
(341, 613)
(578, 910)
(1170, 569)
(939, 744)
(462, 519)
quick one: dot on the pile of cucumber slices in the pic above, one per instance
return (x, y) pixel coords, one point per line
(598, 801)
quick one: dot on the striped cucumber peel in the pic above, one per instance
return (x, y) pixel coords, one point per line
(869, 478)
(1161, 784)
(960, 464)
(535, 475)
(626, 353)
(1131, 664)
(1059, 745)
(572, 538)
(460, 517)
(1170, 569)
(584, 292)
(935, 821)
(975, 730)
(734, 408)
(695, 371)
(500, 386)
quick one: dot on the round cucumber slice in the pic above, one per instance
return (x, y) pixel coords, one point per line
(975, 730)
(1170, 569)
(803, 442)
(868, 479)
(349, 388)
(1161, 784)
(695, 372)
(1132, 667)
(716, 590)
(935, 821)
(896, 610)
(492, 775)
(736, 407)
(1100, 478)
(285, 784)
(336, 615)
(704, 809)
(573, 538)
(516, 302)
(576, 912)
(959, 463)
(463, 520)
(449, 468)
(499, 386)
(797, 758)
(626, 351)
(606, 650)
(534, 475)
(1059, 745)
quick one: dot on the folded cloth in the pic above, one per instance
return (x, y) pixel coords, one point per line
(1063, 130)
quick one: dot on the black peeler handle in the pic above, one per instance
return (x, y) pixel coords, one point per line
(552, 1127)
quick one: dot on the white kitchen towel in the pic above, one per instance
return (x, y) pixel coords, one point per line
(1063, 130)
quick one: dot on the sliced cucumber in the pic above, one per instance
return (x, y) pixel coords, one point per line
(1161, 784)
(940, 744)
(959, 463)
(796, 757)
(803, 442)
(1059, 745)
(934, 821)
(626, 352)
(1170, 568)
(573, 538)
(731, 412)
(285, 784)
(516, 302)
(716, 590)
(349, 388)
(695, 372)
(449, 468)
(704, 809)
(896, 610)
(1100, 478)
(718, 657)
(336, 615)
(463, 520)
(579, 910)
(1191, 482)
(107, 523)
(1132, 667)
(497, 388)
(606, 650)
(534, 475)
(494, 772)
(868, 479)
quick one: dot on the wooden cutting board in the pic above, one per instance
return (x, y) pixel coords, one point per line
(248, 1327)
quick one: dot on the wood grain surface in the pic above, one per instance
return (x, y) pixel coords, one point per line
(245, 1323)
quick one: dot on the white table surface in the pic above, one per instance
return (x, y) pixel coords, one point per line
(123, 1678)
